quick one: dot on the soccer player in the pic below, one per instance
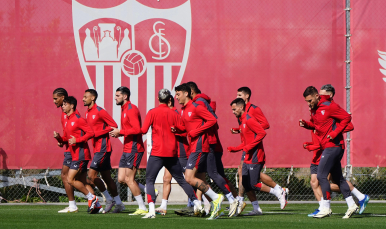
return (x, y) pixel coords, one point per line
(164, 150)
(197, 120)
(252, 134)
(281, 193)
(324, 116)
(133, 148)
(59, 95)
(77, 132)
(215, 168)
(100, 121)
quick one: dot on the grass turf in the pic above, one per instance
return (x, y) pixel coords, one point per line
(293, 216)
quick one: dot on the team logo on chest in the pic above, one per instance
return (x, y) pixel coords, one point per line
(244, 126)
(323, 111)
(72, 123)
(124, 115)
(190, 114)
(86, 115)
(93, 117)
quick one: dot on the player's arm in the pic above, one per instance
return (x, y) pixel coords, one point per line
(234, 149)
(349, 127)
(89, 133)
(258, 114)
(256, 128)
(134, 122)
(108, 120)
(341, 116)
(147, 123)
(307, 125)
(209, 119)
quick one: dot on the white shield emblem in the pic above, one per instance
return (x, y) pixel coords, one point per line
(93, 117)
(72, 123)
(86, 115)
(322, 112)
(244, 126)
(190, 114)
(130, 41)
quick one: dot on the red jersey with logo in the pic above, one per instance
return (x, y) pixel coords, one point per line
(256, 112)
(314, 147)
(205, 101)
(183, 144)
(63, 120)
(131, 129)
(196, 120)
(100, 121)
(78, 127)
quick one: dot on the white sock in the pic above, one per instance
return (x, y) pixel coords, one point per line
(358, 194)
(140, 202)
(241, 199)
(275, 192)
(211, 194)
(320, 203)
(197, 203)
(142, 187)
(151, 208)
(117, 200)
(278, 188)
(72, 204)
(230, 197)
(326, 204)
(255, 205)
(206, 201)
(90, 196)
(164, 204)
(107, 195)
(350, 201)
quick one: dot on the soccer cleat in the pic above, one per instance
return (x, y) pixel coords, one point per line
(324, 212)
(217, 204)
(92, 203)
(185, 211)
(160, 211)
(68, 210)
(200, 212)
(314, 213)
(363, 203)
(156, 193)
(139, 212)
(233, 208)
(254, 212)
(207, 208)
(119, 208)
(109, 205)
(283, 199)
(287, 192)
(149, 216)
(216, 215)
(350, 211)
(240, 208)
(96, 210)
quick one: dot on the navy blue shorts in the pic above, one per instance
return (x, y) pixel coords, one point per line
(243, 156)
(130, 160)
(101, 162)
(314, 169)
(79, 165)
(67, 159)
(183, 162)
(197, 160)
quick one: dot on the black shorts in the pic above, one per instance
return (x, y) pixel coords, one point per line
(243, 156)
(67, 159)
(130, 160)
(101, 162)
(197, 160)
(314, 169)
(183, 162)
(79, 165)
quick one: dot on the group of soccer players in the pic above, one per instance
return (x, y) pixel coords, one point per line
(187, 144)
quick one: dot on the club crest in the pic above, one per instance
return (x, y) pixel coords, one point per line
(190, 114)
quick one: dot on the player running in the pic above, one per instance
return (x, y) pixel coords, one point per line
(100, 121)
(133, 148)
(196, 121)
(59, 95)
(324, 116)
(164, 150)
(77, 132)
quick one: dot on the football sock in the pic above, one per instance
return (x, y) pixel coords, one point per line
(358, 194)
(350, 201)
(275, 192)
(230, 197)
(326, 204)
(117, 200)
(151, 207)
(321, 203)
(90, 196)
(197, 204)
(255, 205)
(107, 195)
(141, 204)
(164, 204)
(211, 194)
(278, 188)
(241, 199)
(72, 204)
(206, 201)
(142, 187)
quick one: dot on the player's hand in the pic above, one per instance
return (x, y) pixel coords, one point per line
(60, 144)
(234, 131)
(56, 135)
(302, 123)
(173, 129)
(115, 132)
(72, 140)
(305, 146)
(328, 136)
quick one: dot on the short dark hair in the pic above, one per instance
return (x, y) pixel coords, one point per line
(61, 92)
(71, 100)
(93, 92)
(238, 101)
(328, 87)
(184, 88)
(310, 90)
(193, 86)
(245, 90)
(124, 90)
(171, 98)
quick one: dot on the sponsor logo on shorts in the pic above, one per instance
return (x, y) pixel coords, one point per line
(75, 165)
(68, 162)
(184, 167)
(95, 163)
(190, 164)
(251, 168)
(128, 163)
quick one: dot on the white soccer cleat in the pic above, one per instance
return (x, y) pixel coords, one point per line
(350, 211)
(207, 208)
(254, 212)
(233, 208)
(324, 212)
(119, 208)
(199, 211)
(283, 199)
(150, 215)
(160, 211)
(240, 208)
(68, 210)
(109, 205)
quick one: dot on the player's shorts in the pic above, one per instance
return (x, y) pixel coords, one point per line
(243, 156)
(67, 159)
(101, 162)
(183, 162)
(314, 169)
(130, 160)
(79, 165)
(197, 160)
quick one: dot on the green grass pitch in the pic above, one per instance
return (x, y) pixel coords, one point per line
(293, 216)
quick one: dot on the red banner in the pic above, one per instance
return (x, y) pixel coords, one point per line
(277, 48)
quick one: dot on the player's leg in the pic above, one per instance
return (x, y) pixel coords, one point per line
(315, 188)
(167, 186)
(112, 187)
(254, 183)
(133, 185)
(67, 187)
(221, 171)
(278, 191)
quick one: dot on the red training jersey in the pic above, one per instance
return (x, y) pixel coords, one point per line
(183, 144)
(256, 112)
(131, 129)
(100, 121)
(314, 147)
(205, 101)
(63, 120)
